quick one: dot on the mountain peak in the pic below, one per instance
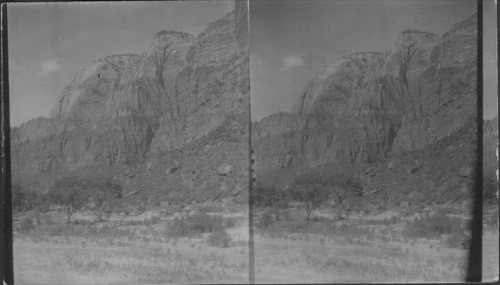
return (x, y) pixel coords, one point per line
(124, 107)
(161, 35)
(411, 37)
(369, 106)
(465, 27)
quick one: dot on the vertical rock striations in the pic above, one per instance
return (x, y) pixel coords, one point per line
(124, 108)
(490, 144)
(206, 91)
(366, 107)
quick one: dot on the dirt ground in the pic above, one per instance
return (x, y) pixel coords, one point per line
(381, 256)
(142, 259)
(490, 255)
(372, 253)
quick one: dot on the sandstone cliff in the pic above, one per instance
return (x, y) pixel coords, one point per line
(368, 107)
(490, 144)
(125, 109)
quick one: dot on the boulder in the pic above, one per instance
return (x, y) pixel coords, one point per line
(225, 169)
(172, 170)
(405, 204)
(413, 169)
(465, 171)
(391, 165)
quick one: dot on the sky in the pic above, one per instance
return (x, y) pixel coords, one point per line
(290, 41)
(50, 43)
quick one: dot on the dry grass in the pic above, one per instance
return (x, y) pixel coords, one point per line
(364, 249)
(125, 252)
(361, 249)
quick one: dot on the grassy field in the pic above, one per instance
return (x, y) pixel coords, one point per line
(164, 247)
(490, 244)
(369, 248)
(133, 250)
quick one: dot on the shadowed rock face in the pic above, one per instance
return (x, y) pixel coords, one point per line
(124, 108)
(490, 144)
(207, 90)
(368, 106)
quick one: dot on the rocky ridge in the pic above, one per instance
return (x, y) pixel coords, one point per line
(126, 109)
(368, 107)
(490, 144)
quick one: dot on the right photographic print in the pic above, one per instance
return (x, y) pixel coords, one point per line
(365, 140)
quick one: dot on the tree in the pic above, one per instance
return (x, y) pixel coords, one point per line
(69, 192)
(340, 189)
(18, 198)
(268, 196)
(25, 200)
(112, 206)
(309, 191)
(101, 192)
(316, 188)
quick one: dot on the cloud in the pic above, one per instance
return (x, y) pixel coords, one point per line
(48, 67)
(292, 61)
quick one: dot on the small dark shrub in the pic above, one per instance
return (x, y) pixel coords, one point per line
(219, 238)
(83, 222)
(26, 225)
(458, 240)
(269, 196)
(431, 226)
(26, 200)
(56, 230)
(350, 230)
(298, 226)
(382, 208)
(282, 204)
(492, 220)
(286, 216)
(168, 212)
(208, 209)
(195, 224)
(154, 220)
(229, 223)
(265, 220)
(392, 220)
(148, 222)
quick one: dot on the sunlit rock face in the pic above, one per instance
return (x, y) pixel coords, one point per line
(207, 90)
(123, 109)
(490, 144)
(368, 106)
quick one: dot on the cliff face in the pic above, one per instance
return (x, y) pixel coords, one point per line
(366, 107)
(490, 144)
(125, 108)
(206, 91)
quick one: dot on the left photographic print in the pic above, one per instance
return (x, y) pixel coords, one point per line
(129, 142)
